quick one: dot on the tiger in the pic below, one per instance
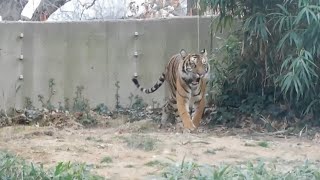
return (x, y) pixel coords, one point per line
(187, 75)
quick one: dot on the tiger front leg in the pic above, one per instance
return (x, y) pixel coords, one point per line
(185, 116)
(183, 108)
(199, 107)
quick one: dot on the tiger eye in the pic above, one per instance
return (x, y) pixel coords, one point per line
(204, 61)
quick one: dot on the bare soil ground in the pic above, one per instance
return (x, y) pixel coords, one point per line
(140, 150)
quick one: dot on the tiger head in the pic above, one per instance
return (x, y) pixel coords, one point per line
(194, 67)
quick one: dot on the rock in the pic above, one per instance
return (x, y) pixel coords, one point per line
(20, 119)
(49, 133)
(149, 110)
(9, 121)
(45, 110)
(33, 115)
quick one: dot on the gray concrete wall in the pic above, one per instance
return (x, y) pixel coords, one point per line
(92, 54)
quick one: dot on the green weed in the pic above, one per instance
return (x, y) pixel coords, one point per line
(145, 143)
(12, 167)
(258, 171)
(156, 163)
(106, 159)
(263, 144)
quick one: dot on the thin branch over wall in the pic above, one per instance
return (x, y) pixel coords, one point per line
(86, 6)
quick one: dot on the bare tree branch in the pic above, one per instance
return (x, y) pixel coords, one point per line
(86, 7)
(46, 8)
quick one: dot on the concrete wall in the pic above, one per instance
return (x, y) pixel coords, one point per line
(92, 54)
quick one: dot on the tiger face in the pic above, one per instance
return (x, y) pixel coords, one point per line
(194, 67)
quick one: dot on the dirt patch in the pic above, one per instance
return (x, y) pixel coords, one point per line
(140, 149)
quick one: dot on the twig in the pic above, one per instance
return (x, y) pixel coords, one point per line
(271, 133)
(305, 127)
(195, 141)
(17, 88)
(4, 104)
(86, 7)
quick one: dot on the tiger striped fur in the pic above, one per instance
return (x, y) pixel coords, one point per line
(186, 75)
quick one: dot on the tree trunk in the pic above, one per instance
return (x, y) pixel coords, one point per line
(192, 7)
(46, 8)
(10, 10)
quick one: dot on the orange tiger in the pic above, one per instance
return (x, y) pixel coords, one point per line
(187, 76)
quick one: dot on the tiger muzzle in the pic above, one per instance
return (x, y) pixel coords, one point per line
(195, 81)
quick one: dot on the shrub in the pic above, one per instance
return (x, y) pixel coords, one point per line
(272, 59)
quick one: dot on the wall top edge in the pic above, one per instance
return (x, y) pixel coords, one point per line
(109, 20)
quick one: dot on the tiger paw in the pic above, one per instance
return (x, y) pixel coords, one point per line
(190, 128)
(187, 131)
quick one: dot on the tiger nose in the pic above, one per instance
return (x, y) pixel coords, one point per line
(199, 75)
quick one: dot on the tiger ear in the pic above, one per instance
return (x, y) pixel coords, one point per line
(203, 52)
(183, 53)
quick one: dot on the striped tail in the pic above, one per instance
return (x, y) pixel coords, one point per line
(150, 90)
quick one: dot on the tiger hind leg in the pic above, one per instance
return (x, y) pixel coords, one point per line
(166, 115)
(164, 118)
